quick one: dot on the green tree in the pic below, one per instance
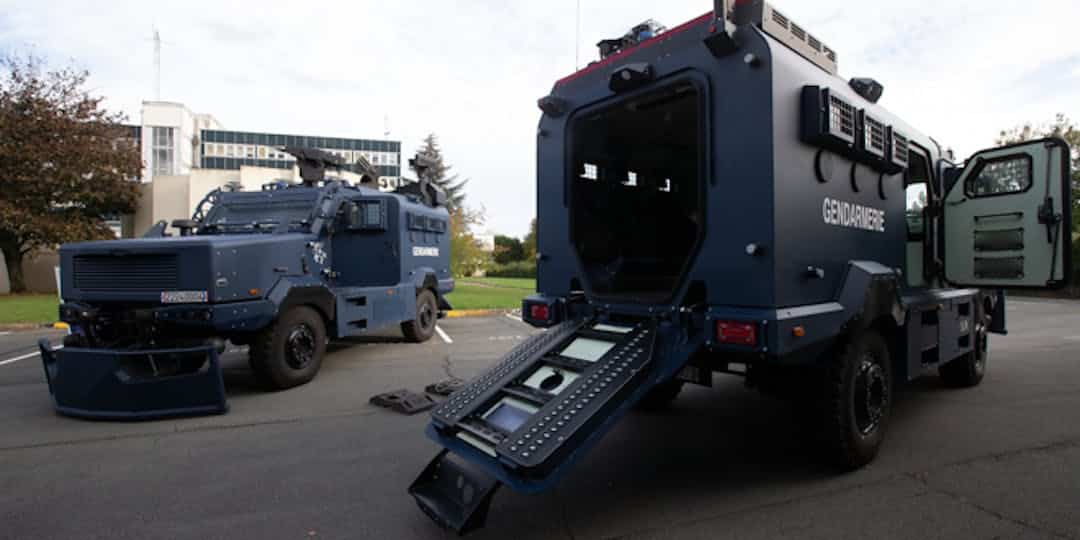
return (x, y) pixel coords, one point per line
(529, 243)
(65, 164)
(451, 184)
(467, 255)
(508, 249)
(1063, 127)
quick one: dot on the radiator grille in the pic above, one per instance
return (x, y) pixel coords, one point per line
(142, 272)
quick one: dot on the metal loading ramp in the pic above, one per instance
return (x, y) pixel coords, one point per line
(529, 417)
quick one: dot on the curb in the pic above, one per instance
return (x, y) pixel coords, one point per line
(466, 313)
(23, 327)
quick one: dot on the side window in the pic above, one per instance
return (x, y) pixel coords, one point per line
(917, 180)
(1000, 176)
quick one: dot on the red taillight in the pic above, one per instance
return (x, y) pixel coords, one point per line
(539, 312)
(736, 333)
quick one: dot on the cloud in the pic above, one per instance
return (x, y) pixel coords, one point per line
(471, 71)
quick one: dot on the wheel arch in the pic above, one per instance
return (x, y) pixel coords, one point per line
(317, 297)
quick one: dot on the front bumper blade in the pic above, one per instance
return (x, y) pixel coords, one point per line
(110, 384)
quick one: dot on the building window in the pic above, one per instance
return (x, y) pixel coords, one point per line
(163, 151)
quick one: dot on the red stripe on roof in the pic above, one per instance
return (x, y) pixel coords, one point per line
(651, 41)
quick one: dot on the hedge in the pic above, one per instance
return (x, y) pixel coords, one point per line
(520, 269)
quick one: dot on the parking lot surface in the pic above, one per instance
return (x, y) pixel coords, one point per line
(998, 461)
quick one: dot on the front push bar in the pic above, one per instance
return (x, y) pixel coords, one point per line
(111, 384)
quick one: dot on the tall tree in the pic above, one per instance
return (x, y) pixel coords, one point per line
(1063, 127)
(439, 173)
(65, 163)
(467, 254)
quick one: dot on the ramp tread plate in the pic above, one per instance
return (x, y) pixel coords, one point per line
(563, 417)
(463, 402)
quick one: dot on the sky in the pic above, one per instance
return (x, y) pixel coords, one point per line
(470, 71)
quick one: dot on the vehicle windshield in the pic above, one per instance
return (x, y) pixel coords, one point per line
(259, 214)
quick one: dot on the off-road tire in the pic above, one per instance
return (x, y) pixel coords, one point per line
(422, 327)
(969, 370)
(660, 396)
(289, 352)
(857, 401)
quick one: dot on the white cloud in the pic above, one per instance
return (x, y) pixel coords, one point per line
(471, 71)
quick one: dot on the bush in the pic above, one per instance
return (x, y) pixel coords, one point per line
(520, 269)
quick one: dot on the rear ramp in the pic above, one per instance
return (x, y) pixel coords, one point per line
(526, 420)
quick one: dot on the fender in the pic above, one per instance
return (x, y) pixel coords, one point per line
(870, 291)
(426, 277)
(303, 290)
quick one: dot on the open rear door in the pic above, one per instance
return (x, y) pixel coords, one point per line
(1007, 218)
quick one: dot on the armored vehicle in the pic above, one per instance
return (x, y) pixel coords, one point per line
(283, 269)
(714, 198)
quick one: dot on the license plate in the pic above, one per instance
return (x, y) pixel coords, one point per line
(184, 297)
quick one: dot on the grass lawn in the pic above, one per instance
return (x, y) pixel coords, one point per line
(28, 308)
(490, 293)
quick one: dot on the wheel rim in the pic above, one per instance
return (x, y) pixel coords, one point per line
(871, 395)
(300, 347)
(426, 316)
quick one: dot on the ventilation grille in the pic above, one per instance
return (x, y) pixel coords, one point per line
(780, 27)
(873, 136)
(900, 149)
(140, 272)
(841, 118)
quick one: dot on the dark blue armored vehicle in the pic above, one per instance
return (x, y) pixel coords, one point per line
(714, 198)
(283, 270)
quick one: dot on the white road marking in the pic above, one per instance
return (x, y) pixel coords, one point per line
(514, 317)
(25, 356)
(443, 335)
(5, 333)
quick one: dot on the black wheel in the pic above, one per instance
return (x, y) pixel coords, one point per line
(422, 327)
(858, 400)
(289, 352)
(969, 370)
(661, 396)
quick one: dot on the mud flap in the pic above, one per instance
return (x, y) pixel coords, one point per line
(454, 493)
(134, 385)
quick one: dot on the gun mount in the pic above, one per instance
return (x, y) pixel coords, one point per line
(313, 163)
(424, 188)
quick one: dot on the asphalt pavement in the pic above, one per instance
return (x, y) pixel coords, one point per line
(998, 461)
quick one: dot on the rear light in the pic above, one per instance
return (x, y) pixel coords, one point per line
(736, 333)
(539, 312)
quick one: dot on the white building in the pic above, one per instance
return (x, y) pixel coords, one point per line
(186, 155)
